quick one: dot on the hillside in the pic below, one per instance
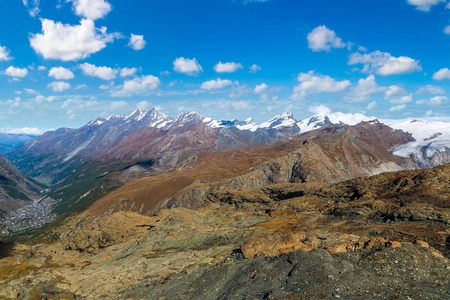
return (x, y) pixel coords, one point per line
(357, 239)
(330, 154)
(16, 190)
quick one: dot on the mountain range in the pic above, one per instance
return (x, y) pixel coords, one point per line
(156, 205)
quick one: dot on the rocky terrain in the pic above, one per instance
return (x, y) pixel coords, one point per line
(379, 237)
(329, 154)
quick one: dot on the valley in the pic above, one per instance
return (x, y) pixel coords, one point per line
(175, 208)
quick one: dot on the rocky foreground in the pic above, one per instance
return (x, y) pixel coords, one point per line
(381, 237)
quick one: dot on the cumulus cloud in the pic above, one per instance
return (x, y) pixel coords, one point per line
(383, 63)
(32, 6)
(216, 84)
(435, 101)
(4, 54)
(91, 9)
(424, 5)
(229, 67)
(187, 66)
(137, 42)
(125, 72)
(399, 107)
(70, 43)
(138, 85)
(442, 74)
(16, 72)
(430, 89)
(255, 68)
(105, 73)
(323, 39)
(311, 83)
(60, 73)
(364, 90)
(396, 94)
(42, 99)
(59, 86)
(259, 89)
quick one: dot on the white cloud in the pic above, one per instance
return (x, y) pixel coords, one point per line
(138, 85)
(229, 67)
(216, 84)
(16, 72)
(105, 73)
(142, 84)
(31, 91)
(70, 43)
(397, 95)
(438, 101)
(119, 105)
(91, 9)
(323, 39)
(4, 54)
(424, 5)
(384, 63)
(137, 42)
(255, 68)
(60, 73)
(319, 110)
(442, 74)
(125, 72)
(364, 90)
(372, 105)
(312, 84)
(259, 89)
(435, 101)
(447, 29)
(59, 86)
(398, 107)
(42, 99)
(362, 49)
(81, 87)
(25, 130)
(187, 66)
(42, 68)
(430, 89)
(32, 6)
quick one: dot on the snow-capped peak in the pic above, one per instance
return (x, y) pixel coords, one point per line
(188, 118)
(285, 119)
(137, 115)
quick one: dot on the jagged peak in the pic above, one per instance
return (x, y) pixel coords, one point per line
(285, 119)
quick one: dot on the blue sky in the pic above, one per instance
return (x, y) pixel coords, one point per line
(66, 62)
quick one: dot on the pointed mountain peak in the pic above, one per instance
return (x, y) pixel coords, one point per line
(285, 119)
(137, 115)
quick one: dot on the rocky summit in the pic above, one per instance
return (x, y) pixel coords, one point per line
(379, 237)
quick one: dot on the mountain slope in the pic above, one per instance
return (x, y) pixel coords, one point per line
(359, 239)
(16, 190)
(330, 154)
(54, 155)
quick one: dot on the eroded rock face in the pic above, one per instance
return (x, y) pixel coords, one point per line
(303, 240)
